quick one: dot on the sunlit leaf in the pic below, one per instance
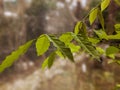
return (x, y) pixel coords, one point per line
(66, 38)
(48, 62)
(100, 50)
(45, 63)
(111, 51)
(74, 48)
(83, 30)
(60, 54)
(42, 44)
(77, 27)
(10, 59)
(80, 28)
(104, 4)
(93, 15)
(101, 34)
(117, 36)
(94, 40)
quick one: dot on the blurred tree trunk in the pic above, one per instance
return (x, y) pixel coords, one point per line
(21, 36)
(1, 7)
(112, 10)
(78, 10)
(21, 7)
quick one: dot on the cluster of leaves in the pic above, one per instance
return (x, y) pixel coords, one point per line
(71, 42)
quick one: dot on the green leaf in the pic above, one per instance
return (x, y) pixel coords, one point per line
(51, 59)
(83, 30)
(86, 45)
(80, 28)
(93, 15)
(94, 40)
(104, 4)
(111, 51)
(48, 62)
(61, 47)
(77, 27)
(100, 50)
(66, 38)
(9, 60)
(117, 36)
(117, 28)
(60, 54)
(42, 44)
(74, 48)
(101, 19)
(101, 34)
(45, 63)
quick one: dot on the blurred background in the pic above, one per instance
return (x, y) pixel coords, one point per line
(23, 20)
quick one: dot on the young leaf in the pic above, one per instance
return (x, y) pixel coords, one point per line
(66, 38)
(61, 47)
(93, 15)
(73, 47)
(101, 19)
(86, 45)
(77, 27)
(80, 28)
(101, 34)
(94, 40)
(117, 36)
(111, 51)
(83, 30)
(9, 60)
(104, 4)
(60, 54)
(45, 63)
(100, 50)
(48, 62)
(42, 44)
